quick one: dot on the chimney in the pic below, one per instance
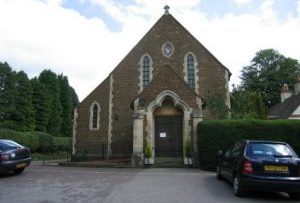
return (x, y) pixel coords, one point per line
(297, 85)
(285, 92)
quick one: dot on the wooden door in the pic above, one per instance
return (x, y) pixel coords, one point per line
(168, 136)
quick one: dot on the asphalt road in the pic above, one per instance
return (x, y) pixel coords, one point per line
(47, 184)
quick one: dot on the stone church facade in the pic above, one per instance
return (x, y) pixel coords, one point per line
(155, 96)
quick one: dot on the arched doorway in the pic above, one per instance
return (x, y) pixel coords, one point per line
(168, 129)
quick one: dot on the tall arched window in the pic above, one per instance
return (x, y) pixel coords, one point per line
(145, 71)
(95, 116)
(191, 71)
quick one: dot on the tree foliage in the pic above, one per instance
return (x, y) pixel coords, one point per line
(49, 80)
(247, 105)
(7, 92)
(23, 114)
(44, 103)
(217, 106)
(266, 74)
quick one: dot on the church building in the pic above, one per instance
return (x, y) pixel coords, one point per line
(155, 97)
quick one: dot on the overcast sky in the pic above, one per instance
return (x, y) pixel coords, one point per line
(86, 39)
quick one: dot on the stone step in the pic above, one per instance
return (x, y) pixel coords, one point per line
(169, 162)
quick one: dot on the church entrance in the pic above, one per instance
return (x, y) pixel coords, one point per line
(168, 130)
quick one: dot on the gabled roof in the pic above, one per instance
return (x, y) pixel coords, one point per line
(164, 20)
(285, 109)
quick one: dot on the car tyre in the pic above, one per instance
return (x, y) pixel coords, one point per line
(295, 196)
(218, 173)
(19, 171)
(237, 187)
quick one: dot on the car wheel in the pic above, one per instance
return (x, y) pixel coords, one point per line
(237, 187)
(20, 170)
(295, 196)
(218, 174)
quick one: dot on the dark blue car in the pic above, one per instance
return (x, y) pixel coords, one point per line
(13, 156)
(261, 166)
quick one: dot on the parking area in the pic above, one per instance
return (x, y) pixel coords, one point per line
(156, 185)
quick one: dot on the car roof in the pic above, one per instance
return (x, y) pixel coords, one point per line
(264, 141)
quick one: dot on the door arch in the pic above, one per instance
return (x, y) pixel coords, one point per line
(168, 129)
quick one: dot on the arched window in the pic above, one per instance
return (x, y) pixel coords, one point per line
(191, 71)
(95, 116)
(145, 69)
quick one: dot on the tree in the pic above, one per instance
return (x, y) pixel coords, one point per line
(67, 106)
(266, 74)
(217, 106)
(7, 92)
(50, 81)
(41, 105)
(75, 100)
(247, 105)
(23, 102)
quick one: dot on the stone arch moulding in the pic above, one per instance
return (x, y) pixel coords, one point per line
(91, 116)
(175, 98)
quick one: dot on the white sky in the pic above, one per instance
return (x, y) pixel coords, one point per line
(86, 39)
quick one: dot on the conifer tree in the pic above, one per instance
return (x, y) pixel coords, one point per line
(67, 106)
(7, 92)
(23, 102)
(41, 105)
(50, 81)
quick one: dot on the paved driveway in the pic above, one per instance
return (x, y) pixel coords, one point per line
(59, 184)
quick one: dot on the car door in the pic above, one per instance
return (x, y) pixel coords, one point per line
(235, 158)
(224, 163)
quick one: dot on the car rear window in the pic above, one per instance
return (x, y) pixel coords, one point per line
(7, 144)
(269, 149)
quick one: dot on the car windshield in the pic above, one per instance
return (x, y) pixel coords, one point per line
(7, 144)
(270, 149)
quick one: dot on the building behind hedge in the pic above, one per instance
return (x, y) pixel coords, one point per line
(289, 108)
(155, 96)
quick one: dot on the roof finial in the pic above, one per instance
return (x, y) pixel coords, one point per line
(167, 9)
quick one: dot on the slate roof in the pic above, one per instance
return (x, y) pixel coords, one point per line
(285, 109)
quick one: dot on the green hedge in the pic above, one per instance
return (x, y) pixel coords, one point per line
(37, 141)
(216, 135)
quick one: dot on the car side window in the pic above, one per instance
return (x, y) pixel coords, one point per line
(238, 149)
(228, 151)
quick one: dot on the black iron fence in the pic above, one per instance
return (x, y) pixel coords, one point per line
(92, 152)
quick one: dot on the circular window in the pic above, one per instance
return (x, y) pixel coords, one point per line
(167, 49)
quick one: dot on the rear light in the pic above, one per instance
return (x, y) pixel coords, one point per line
(4, 156)
(247, 167)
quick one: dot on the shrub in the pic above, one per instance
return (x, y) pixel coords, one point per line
(216, 135)
(148, 151)
(37, 141)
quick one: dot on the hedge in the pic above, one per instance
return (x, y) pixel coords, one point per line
(216, 135)
(37, 141)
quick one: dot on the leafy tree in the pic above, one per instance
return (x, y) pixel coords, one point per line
(23, 102)
(217, 106)
(7, 92)
(266, 74)
(67, 106)
(41, 105)
(50, 81)
(247, 105)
